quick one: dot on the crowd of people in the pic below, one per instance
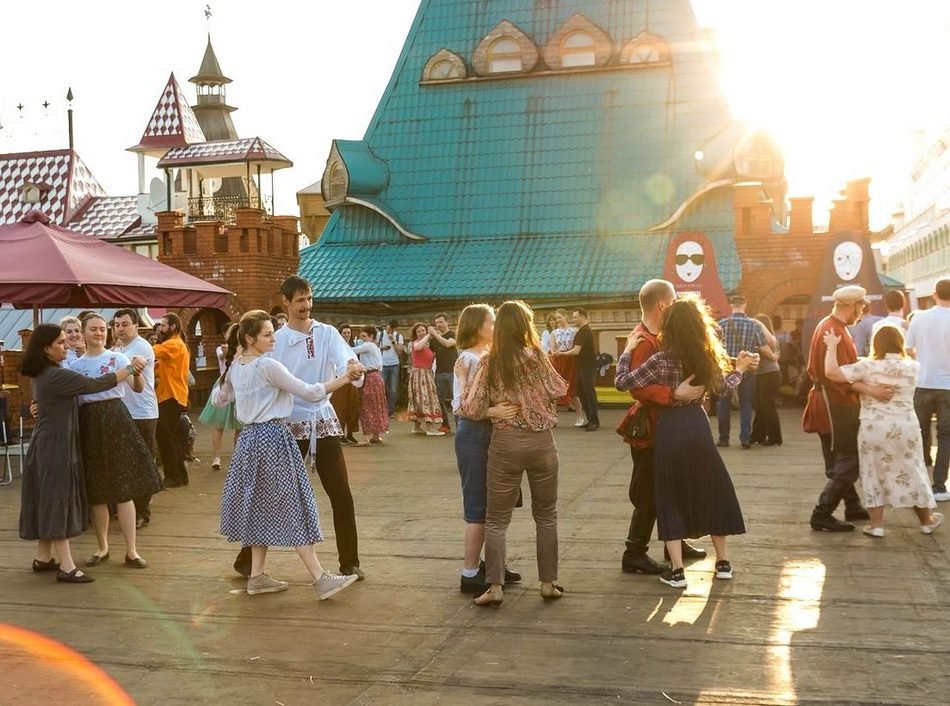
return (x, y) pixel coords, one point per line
(294, 390)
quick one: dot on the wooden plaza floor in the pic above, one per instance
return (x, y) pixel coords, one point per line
(809, 618)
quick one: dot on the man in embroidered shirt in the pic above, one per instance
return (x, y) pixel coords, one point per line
(739, 333)
(315, 352)
(143, 407)
(839, 445)
(656, 296)
(171, 389)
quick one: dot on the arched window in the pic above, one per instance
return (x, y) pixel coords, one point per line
(578, 43)
(336, 188)
(578, 49)
(443, 66)
(504, 55)
(645, 48)
(505, 50)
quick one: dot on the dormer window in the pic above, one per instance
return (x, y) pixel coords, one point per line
(756, 157)
(33, 193)
(505, 50)
(336, 181)
(578, 43)
(444, 66)
(646, 48)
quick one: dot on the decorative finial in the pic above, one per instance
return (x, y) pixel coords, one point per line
(207, 12)
(69, 94)
(45, 104)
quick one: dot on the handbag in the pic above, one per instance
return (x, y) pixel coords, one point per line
(816, 418)
(635, 426)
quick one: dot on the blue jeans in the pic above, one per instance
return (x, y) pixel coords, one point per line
(927, 402)
(724, 410)
(472, 439)
(391, 380)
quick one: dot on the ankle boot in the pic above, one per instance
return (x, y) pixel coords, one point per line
(822, 518)
(853, 509)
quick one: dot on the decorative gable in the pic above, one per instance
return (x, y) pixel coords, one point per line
(578, 43)
(506, 49)
(646, 48)
(443, 66)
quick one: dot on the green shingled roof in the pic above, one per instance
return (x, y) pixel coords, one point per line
(538, 186)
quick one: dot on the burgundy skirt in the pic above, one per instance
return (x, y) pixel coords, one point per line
(374, 414)
(564, 365)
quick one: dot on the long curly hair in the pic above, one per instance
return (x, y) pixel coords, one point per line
(514, 333)
(691, 335)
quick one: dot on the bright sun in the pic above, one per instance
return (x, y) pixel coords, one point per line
(841, 86)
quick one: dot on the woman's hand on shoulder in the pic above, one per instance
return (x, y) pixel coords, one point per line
(831, 339)
(633, 340)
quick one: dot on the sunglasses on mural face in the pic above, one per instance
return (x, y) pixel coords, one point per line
(696, 259)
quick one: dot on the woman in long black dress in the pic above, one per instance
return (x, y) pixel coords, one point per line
(53, 505)
(694, 494)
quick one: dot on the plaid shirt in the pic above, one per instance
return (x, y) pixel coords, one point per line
(741, 333)
(660, 369)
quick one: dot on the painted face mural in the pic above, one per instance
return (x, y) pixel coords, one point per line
(847, 260)
(689, 260)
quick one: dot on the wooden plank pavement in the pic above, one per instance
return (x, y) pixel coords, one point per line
(809, 619)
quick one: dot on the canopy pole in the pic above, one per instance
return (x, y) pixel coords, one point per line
(36, 316)
(272, 197)
(260, 201)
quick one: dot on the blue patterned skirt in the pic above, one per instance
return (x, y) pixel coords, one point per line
(267, 498)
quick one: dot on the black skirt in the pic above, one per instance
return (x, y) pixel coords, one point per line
(694, 493)
(117, 463)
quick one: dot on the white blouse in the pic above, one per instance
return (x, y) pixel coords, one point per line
(264, 390)
(370, 356)
(102, 364)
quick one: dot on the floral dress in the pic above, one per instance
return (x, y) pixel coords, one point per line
(890, 451)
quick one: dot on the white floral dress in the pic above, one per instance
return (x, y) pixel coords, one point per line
(890, 450)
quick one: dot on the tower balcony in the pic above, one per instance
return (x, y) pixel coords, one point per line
(222, 208)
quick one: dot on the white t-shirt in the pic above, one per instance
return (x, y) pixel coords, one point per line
(144, 404)
(316, 356)
(369, 355)
(390, 356)
(102, 364)
(263, 390)
(222, 356)
(929, 336)
(472, 360)
(889, 320)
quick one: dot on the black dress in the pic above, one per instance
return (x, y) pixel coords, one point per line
(53, 495)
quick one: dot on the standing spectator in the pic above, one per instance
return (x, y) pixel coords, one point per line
(586, 369)
(267, 498)
(391, 343)
(373, 411)
(928, 338)
(694, 493)
(861, 333)
(892, 465)
(424, 406)
(839, 441)
(173, 361)
(442, 341)
(564, 359)
(281, 319)
(221, 419)
(316, 352)
(143, 406)
(76, 346)
(766, 427)
(547, 336)
(117, 464)
(739, 333)
(53, 505)
(656, 296)
(518, 372)
(894, 301)
(346, 400)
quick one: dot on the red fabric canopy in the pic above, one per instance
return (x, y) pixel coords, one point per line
(44, 265)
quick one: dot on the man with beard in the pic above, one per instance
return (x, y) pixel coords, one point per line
(171, 388)
(315, 352)
(839, 445)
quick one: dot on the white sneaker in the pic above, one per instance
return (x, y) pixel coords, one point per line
(331, 584)
(936, 519)
(435, 433)
(216, 464)
(941, 496)
(873, 531)
(265, 584)
(580, 423)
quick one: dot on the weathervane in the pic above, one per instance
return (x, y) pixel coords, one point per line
(207, 12)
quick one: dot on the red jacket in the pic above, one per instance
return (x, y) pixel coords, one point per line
(653, 397)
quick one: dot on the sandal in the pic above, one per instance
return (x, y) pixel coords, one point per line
(551, 591)
(51, 565)
(74, 577)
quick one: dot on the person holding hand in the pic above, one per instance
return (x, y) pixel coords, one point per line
(694, 493)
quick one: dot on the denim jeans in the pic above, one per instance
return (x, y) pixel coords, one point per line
(927, 402)
(724, 410)
(444, 386)
(472, 438)
(391, 380)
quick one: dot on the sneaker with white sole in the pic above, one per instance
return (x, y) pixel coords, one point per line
(674, 577)
(723, 570)
(265, 584)
(936, 519)
(941, 496)
(331, 584)
(216, 464)
(435, 433)
(873, 531)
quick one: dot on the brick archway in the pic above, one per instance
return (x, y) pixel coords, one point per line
(788, 289)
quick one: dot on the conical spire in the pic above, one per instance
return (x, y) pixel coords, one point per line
(210, 70)
(173, 123)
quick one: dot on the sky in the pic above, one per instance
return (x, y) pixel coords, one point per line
(841, 85)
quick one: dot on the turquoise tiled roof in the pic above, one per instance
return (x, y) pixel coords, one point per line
(367, 174)
(542, 185)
